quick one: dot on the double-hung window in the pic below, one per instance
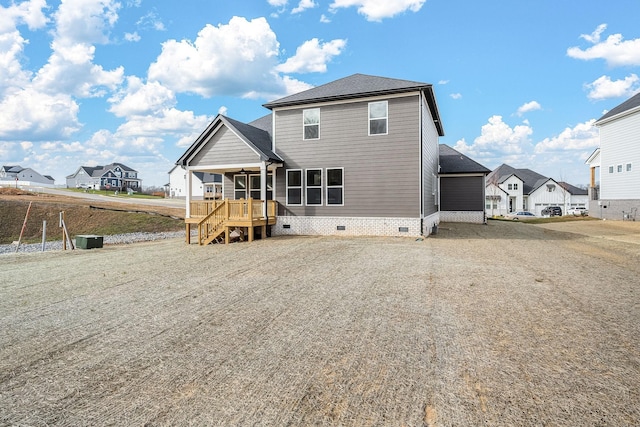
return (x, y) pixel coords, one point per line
(378, 117)
(254, 187)
(314, 187)
(335, 186)
(311, 123)
(294, 187)
(239, 187)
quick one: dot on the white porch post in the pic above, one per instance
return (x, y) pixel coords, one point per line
(188, 181)
(263, 187)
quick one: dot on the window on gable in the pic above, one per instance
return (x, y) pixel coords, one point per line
(294, 187)
(610, 169)
(314, 187)
(619, 168)
(515, 186)
(311, 123)
(510, 186)
(628, 167)
(335, 186)
(378, 117)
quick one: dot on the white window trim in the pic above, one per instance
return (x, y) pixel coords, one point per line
(627, 167)
(304, 125)
(619, 168)
(306, 187)
(327, 186)
(250, 188)
(301, 187)
(378, 118)
(246, 184)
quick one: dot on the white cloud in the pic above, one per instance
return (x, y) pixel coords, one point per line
(377, 10)
(595, 36)
(29, 114)
(456, 95)
(304, 5)
(277, 3)
(151, 21)
(313, 56)
(614, 50)
(443, 82)
(132, 37)
(584, 136)
(223, 110)
(603, 87)
(28, 12)
(324, 19)
(141, 99)
(86, 21)
(223, 60)
(529, 106)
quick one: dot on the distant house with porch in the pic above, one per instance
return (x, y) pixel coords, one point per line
(19, 176)
(510, 190)
(116, 176)
(615, 165)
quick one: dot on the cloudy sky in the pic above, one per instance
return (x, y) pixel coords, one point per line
(86, 82)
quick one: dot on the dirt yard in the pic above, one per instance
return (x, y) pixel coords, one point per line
(502, 325)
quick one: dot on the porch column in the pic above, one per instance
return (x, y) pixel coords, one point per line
(188, 180)
(263, 187)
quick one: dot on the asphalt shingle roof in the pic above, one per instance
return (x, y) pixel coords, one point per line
(629, 104)
(452, 161)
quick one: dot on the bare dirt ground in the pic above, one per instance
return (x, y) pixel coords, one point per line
(502, 325)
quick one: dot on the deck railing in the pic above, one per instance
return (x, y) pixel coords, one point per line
(238, 209)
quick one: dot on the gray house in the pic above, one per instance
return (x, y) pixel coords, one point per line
(357, 156)
(24, 176)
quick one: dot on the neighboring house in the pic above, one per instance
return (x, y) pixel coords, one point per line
(114, 176)
(510, 190)
(618, 162)
(356, 156)
(19, 176)
(204, 186)
(462, 187)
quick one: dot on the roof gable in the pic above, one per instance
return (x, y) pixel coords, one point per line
(360, 86)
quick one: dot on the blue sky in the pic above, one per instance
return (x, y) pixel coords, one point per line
(86, 82)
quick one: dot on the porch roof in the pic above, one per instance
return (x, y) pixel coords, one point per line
(257, 139)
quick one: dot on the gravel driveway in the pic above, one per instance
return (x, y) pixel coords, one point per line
(505, 324)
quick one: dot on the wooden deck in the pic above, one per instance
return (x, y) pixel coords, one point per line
(217, 217)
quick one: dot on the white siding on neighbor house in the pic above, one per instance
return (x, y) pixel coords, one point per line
(381, 172)
(224, 147)
(620, 145)
(502, 205)
(541, 198)
(519, 203)
(178, 184)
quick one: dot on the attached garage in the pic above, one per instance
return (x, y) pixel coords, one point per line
(462, 187)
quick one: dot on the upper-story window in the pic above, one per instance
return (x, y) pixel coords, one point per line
(628, 167)
(311, 123)
(610, 169)
(378, 117)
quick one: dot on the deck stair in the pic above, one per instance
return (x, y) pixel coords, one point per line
(216, 219)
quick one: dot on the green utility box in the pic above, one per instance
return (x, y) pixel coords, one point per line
(88, 241)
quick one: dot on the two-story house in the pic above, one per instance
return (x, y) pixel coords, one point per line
(204, 185)
(356, 156)
(617, 195)
(116, 176)
(511, 190)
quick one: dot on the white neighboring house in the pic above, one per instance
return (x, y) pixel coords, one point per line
(511, 190)
(618, 161)
(18, 176)
(204, 185)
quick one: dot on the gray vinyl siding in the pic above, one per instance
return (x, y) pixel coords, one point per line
(430, 162)
(462, 193)
(224, 148)
(381, 172)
